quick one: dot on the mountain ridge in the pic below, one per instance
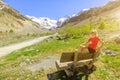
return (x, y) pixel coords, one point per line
(93, 12)
(48, 23)
(13, 20)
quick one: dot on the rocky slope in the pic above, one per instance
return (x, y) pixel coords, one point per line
(110, 11)
(13, 21)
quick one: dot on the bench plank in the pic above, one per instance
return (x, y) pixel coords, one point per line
(69, 56)
(67, 65)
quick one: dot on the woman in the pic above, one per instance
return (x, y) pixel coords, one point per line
(92, 42)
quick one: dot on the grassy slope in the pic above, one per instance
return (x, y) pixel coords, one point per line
(108, 67)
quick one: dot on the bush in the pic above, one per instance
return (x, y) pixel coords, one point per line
(102, 24)
(28, 34)
(11, 31)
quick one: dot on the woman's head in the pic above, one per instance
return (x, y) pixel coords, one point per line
(94, 33)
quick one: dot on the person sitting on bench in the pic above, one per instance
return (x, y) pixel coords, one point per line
(92, 44)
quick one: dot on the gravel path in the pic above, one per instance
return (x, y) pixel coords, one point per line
(8, 49)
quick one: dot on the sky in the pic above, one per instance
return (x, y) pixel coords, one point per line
(53, 9)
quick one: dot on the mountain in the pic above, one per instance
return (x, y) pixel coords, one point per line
(13, 21)
(110, 10)
(44, 21)
(47, 22)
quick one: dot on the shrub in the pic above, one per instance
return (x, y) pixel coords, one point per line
(28, 34)
(102, 24)
(11, 31)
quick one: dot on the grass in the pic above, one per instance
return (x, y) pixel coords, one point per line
(107, 67)
(45, 48)
(113, 46)
(81, 30)
(109, 70)
(14, 59)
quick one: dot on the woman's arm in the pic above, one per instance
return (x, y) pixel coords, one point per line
(102, 44)
(86, 42)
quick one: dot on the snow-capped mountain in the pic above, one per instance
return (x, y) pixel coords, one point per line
(44, 22)
(49, 23)
(61, 21)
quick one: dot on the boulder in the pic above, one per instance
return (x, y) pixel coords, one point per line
(117, 40)
(110, 52)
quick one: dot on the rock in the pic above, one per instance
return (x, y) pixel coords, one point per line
(22, 64)
(64, 77)
(110, 52)
(117, 40)
(28, 75)
(35, 78)
(27, 79)
(30, 63)
(49, 39)
(59, 37)
(18, 79)
(28, 60)
(29, 50)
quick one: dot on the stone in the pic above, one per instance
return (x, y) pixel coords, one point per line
(28, 60)
(22, 64)
(109, 52)
(117, 40)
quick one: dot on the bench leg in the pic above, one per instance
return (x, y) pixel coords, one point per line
(69, 73)
(86, 77)
(75, 60)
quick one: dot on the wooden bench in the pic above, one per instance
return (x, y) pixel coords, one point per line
(73, 60)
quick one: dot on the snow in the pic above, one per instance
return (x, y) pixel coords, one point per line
(44, 21)
(47, 22)
(85, 9)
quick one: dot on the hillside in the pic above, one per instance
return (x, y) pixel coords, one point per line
(37, 61)
(15, 27)
(13, 21)
(110, 11)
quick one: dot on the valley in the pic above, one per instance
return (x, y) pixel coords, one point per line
(34, 52)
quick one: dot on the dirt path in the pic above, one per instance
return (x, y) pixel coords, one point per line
(45, 64)
(8, 49)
